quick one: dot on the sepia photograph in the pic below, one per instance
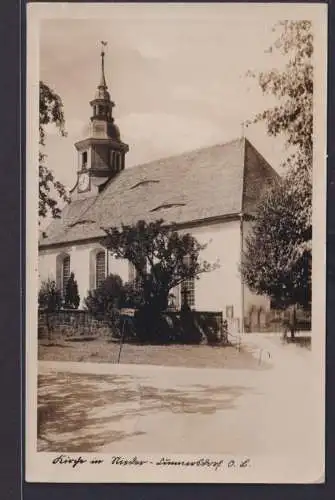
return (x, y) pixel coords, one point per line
(176, 165)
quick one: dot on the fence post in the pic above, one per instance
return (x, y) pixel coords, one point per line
(121, 340)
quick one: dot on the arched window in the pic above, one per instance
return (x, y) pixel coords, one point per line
(65, 272)
(100, 268)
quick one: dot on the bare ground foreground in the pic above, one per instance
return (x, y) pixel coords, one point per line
(264, 408)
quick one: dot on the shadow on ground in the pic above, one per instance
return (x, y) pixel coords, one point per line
(83, 412)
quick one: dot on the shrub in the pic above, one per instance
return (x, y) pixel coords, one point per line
(211, 329)
(106, 297)
(109, 298)
(72, 299)
(191, 330)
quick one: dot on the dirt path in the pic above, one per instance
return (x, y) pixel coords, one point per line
(127, 408)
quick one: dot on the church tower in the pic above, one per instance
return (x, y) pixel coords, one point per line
(101, 155)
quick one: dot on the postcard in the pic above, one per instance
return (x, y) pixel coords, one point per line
(176, 228)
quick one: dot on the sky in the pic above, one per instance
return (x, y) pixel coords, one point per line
(178, 80)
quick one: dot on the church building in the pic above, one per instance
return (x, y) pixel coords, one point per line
(211, 193)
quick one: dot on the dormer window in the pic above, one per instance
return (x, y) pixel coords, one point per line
(166, 206)
(82, 222)
(144, 183)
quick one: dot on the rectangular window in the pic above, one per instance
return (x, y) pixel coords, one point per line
(188, 292)
(84, 159)
(111, 158)
(118, 166)
(116, 161)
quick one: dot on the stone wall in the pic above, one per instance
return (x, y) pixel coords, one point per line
(71, 323)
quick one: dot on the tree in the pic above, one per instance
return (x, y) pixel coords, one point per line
(163, 259)
(292, 117)
(49, 296)
(51, 191)
(72, 299)
(277, 258)
(293, 88)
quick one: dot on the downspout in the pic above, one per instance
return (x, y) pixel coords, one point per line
(107, 262)
(241, 227)
(242, 284)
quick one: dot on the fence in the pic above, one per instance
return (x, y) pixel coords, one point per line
(259, 320)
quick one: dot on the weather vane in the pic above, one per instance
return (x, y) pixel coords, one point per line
(103, 44)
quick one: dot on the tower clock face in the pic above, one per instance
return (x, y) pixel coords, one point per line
(83, 182)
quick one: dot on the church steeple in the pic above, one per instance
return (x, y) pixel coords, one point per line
(102, 154)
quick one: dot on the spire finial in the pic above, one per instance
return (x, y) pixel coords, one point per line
(103, 79)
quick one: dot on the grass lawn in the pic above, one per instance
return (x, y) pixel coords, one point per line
(103, 351)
